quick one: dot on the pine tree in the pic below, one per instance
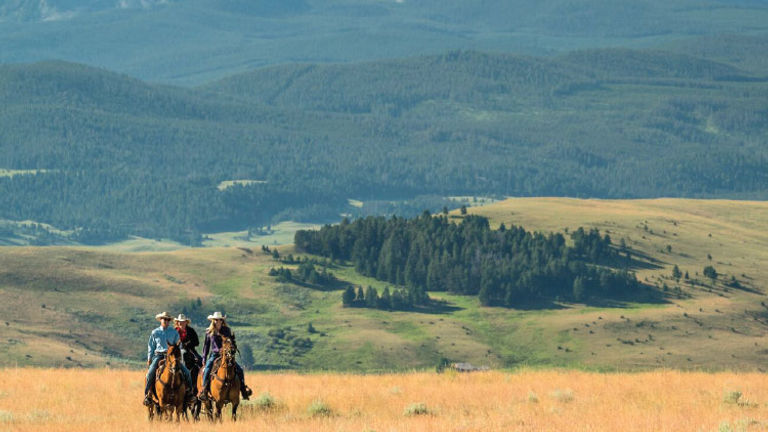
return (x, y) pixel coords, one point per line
(371, 297)
(676, 273)
(484, 296)
(579, 288)
(385, 301)
(348, 298)
(710, 272)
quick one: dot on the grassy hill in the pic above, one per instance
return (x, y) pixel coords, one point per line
(75, 306)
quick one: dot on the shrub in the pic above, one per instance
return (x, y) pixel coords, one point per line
(710, 272)
(732, 397)
(564, 396)
(416, 409)
(442, 364)
(265, 402)
(6, 417)
(38, 416)
(318, 408)
(533, 398)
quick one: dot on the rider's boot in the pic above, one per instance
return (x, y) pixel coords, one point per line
(148, 399)
(245, 392)
(203, 395)
(189, 396)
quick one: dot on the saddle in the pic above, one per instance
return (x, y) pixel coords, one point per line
(214, 368)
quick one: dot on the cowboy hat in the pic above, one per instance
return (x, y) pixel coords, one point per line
(216, 315)
(181, 318)
(163, 315)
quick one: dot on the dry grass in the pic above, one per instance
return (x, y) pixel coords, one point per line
(735, 233)
(51, 400)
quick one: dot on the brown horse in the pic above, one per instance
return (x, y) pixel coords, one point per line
(170, 386)
(224, 385)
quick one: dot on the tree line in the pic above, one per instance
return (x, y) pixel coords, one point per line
(508, 266)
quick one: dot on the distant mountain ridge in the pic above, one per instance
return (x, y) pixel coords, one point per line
(197, 41)
(325, 86)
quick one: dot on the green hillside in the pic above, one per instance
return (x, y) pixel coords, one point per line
(86, 307)
(749, 52)
(114, 156)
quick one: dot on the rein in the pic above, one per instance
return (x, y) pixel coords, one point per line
(229, 370)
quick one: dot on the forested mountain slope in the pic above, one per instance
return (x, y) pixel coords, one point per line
(117, 156)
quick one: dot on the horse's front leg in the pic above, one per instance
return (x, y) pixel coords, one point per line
(234, 411)
(219, 406)
(196, 411)
(209, 410)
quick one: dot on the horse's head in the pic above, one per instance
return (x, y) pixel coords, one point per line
(228, 350)
(173, 355)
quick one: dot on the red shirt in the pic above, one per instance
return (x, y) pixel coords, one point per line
(182, 333)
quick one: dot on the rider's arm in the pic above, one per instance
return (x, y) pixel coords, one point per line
(192, 340)
(206, 346)
(151, 346)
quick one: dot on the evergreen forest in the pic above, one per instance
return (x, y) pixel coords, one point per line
(508, 266)
(104, 156)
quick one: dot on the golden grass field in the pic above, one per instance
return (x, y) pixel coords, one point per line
(53, 400)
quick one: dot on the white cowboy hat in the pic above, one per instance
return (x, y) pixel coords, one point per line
(216, 315)
(163, 315)
(181, 318)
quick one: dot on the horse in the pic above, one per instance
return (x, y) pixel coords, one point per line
(224, 385)
(170, 386)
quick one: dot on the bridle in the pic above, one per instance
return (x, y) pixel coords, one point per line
(173, 368)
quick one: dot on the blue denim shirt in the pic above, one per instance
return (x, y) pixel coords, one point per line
(160, 339)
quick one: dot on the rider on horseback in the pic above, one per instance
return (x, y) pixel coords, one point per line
(211, 348)
(157, 347)
(189, 342)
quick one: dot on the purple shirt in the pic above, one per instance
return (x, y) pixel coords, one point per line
(213, 341)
